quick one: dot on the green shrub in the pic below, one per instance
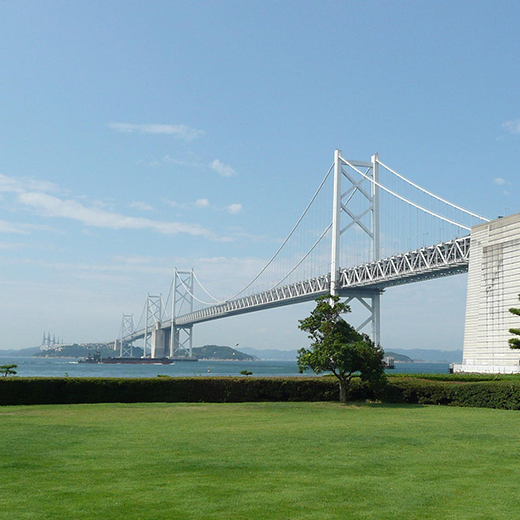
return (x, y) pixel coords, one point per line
(485, 394)
(407, 390)
(70, 390)
(458, 377)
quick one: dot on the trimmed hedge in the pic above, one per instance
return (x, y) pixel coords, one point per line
(68, 390)
(465, 378)
(503, 394)
(484, 394)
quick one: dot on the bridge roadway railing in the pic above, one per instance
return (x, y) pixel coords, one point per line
(444, 259)
(285, 295)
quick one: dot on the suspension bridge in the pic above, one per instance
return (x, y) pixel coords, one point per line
(365, 229)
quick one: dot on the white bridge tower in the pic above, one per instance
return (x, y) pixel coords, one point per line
(181, 336)
(348, 184)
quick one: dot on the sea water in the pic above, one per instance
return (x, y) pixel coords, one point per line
(60, 367)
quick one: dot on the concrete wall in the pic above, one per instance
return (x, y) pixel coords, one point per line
(493, 287)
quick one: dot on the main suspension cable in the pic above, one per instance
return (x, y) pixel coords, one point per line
(406, 200)
(204, 289)
(187, 289)
(432, 194)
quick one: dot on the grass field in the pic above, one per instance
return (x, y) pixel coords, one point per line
(258, 461)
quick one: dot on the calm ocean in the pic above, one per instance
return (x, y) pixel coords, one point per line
(48, 367)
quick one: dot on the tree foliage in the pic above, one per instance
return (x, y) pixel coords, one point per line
(338, 348)
(7, 370)
(515, 342)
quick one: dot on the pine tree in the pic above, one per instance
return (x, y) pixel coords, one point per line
(8, 370)
(338, 348)
(515, 342)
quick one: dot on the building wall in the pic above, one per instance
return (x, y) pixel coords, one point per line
(493, 287)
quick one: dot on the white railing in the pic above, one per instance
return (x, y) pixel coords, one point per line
(444, 259)
(285, 295)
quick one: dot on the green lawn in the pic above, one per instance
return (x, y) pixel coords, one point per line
(258, 461)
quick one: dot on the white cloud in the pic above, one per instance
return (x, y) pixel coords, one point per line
(512, 126)
(222, 169)
(174, 204)
(22, 245)
(178, 131)
(191, 164)
(234, 208)
(500, 181)
(238, 233)
(202, 203)
(22, 229)
(8, 227)
(9, 245)
(141, 205)
(199, 203)
(50, 206)
(19, 185)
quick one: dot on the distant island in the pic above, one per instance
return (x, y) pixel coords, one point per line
(400, 355)
(220, 353)
(29, 351)
(213, 352)
(290, 355)
(216, 352)
(398, 358)
(77, 350)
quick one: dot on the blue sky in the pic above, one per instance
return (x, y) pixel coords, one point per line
(139, 136)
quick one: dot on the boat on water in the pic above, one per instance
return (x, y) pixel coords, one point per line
(97, 359)
(389, 362)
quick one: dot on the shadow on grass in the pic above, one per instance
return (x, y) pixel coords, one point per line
(371, 404)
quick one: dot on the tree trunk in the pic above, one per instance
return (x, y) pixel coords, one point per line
(342, 393)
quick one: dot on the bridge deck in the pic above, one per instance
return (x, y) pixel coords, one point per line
(444, 259)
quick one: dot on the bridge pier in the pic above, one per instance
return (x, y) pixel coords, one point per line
(159, 344)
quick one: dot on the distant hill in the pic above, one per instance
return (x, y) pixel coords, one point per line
(78, 351)
(399, 355)
(431, 355)
(398, 358)
(290, 355)
(272, 354)
(83, 350)
(22, 352)
(221, 353)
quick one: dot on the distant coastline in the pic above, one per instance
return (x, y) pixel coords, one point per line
(220, 353)
(399, 355)
(77, 351)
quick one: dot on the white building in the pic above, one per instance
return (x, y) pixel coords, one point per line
(493, 288)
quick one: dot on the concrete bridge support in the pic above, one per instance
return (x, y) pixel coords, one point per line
(159, 342)
(493, 287)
